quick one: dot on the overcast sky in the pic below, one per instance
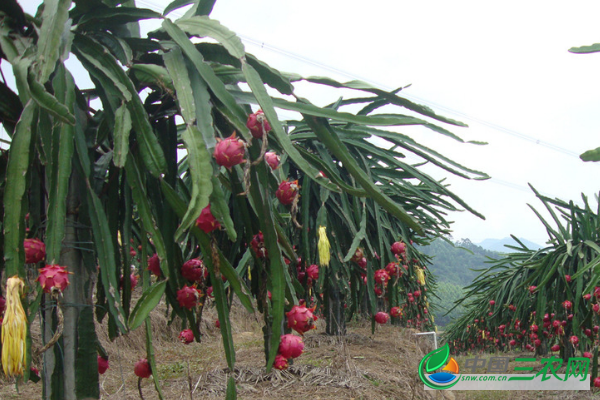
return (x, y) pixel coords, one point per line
(503, 68)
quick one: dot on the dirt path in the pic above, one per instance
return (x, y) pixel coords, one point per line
(359, 366)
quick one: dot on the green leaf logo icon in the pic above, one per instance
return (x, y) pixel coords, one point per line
(437, 358)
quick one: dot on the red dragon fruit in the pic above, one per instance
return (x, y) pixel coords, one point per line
(258, 245)
(398, 248)
(35, 251)
(313, 272)
(358, 254)
(567, 304)
(587, 296)
(287, 192)
(272, 159)
(256, 122)
(393, 269)
(206, 221)
(53, 277)
(230, 152)
(382, 277)
(382, 317)
(574, 339)
(186, 336)
(133, 278)
(597, 382)
(492, 302)
(396, 312)
(513, 342)
(280, 362)
(362, 263)
(188, 296)
(154, 265)
(532, 289)
(301, 319)
(142, 368)
(291, 346)
(102, 364)
(194, 270)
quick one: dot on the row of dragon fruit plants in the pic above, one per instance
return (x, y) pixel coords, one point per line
(320, 215)
(544, 301)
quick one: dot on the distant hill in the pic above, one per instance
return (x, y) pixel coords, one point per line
(498, 245)
(453, 267)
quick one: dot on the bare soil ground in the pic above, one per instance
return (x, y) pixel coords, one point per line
(359, 366)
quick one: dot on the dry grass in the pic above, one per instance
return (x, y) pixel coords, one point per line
(357, 366)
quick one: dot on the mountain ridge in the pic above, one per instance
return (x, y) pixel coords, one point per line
(498, 245)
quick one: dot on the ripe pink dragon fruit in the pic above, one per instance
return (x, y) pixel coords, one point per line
(596, 308)
(568, 278)
(133, 278)
(532, 289)
(574, 339)
(230, 152)
(188, 296)
(358, 254)
(206, 221)
(396, 312)
(393, 269)
(362, 263)
(280, 362)
(301, 319)
(154, 265)
(382, 277)
(256, 122)
(217, 323)
(382, 317)
(53, 277)
(567, 304)
(209, 291)
(492, 302)
(186, 336)
(587, 296)
(142, 368)
(587, 332)
(398, 248)
(258, 245)
(35, 251)
(102, 364)
(287, 192)
(313, 272)
(291, 346)
(513, 342)
(378, 291)
(194, 270)
(272, 159)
